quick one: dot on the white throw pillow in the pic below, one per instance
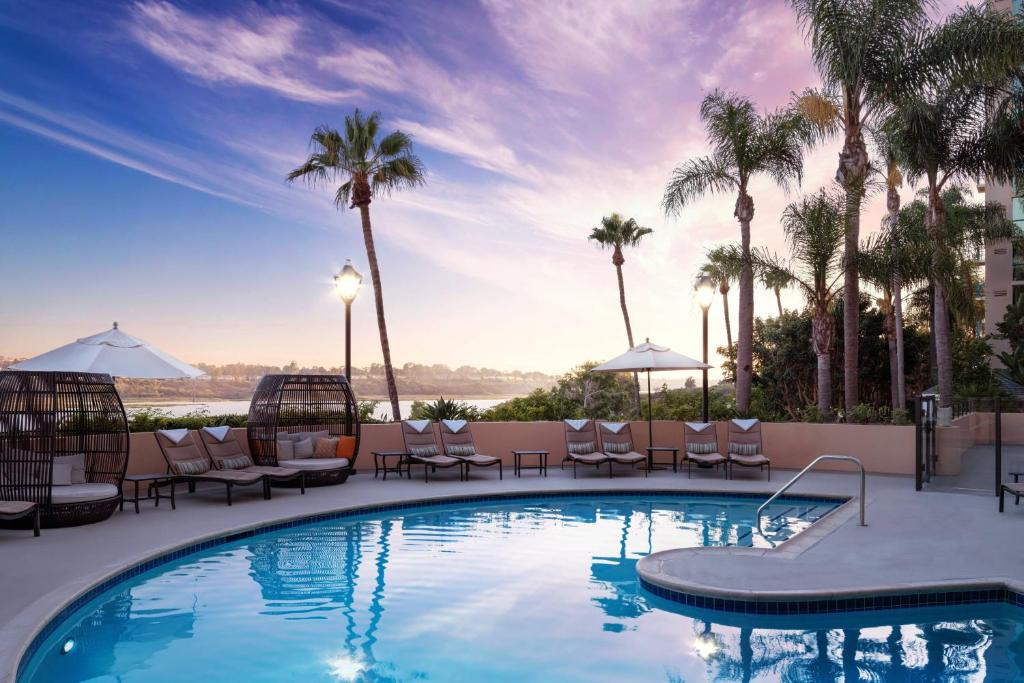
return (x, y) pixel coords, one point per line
(304, 449)
(77, 464)
(285, 449)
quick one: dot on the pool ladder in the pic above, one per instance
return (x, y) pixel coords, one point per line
(787, 485)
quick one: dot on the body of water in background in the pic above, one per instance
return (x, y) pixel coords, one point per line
(242, 407)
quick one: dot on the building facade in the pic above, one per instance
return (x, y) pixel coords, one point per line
(1004, 264)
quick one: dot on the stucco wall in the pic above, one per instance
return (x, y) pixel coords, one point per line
(883, 448)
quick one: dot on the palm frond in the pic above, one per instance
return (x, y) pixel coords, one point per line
(695, 178)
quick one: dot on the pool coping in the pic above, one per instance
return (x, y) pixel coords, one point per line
(46, 624)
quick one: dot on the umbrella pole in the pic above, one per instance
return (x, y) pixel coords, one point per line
(650, 415)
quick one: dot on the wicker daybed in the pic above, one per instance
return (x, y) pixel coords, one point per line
(293, 413)
(63, 445)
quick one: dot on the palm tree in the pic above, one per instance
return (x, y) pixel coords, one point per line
(954, 132)
(776, 281)
(615, 233)
(860, 49)
(815, 229)
(744, 144)
(367, 167)
(724, 266)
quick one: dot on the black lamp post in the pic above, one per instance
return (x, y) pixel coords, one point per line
(347, 283)
(705, 288)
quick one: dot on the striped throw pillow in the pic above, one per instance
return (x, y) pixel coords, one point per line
(462, 449)
(423, 451)
(744, 448)
(618, 448)
(197, 466)
(581, 447)
(702, 448)
(236, 463)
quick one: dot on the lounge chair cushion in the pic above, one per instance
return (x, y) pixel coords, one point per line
(187, 460)
(749, 460)
(440, 460)
(462, 449)
(589, 458)
(81, 493)
(706, 458)
(743, 448)
(701, 448)
(630, 457)
(424, 451)
(314, 463)
(618, 448)
(478, 459)
(326, 448)
(580, 447)
(77, 463)
(15, 507)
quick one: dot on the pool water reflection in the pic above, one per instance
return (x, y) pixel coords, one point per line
(542, 590)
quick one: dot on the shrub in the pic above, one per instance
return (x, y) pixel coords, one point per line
(443, 409)
(901, 416)
(812, 414)
(153, 419)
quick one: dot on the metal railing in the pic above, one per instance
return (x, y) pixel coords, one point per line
(807, 469)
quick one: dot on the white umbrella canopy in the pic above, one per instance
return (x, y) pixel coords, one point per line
(115, 353)
(648, 357)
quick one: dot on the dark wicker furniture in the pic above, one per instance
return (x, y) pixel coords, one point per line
(457, 440)
(75, 416)
(186, 450)
(15, 510)
(422, 449)
(303, 403)
(222, 452)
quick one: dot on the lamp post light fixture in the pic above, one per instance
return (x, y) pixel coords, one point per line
(705, 288)
(347, 284)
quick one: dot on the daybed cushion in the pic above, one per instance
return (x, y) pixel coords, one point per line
(303, 449)
(81, 493)
(315, 463)
(15, 507)
(62, 474)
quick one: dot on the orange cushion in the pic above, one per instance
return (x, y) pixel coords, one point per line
(346, 447)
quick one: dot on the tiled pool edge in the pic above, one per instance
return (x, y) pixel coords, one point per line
(812, 602)
(59, 613)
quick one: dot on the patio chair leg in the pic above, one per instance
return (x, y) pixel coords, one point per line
(35, 523)
(501, 473)
(191, 487)
(266, 489)
(229, 495)
(1002, 493)
(302, 483)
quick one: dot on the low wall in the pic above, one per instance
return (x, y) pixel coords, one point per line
(884, 449)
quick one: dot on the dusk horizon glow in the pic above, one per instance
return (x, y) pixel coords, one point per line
(147, 144)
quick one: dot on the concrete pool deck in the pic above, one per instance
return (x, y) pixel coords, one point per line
(912, 538)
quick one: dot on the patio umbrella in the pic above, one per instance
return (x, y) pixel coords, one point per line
(648, 357)
(115, 353)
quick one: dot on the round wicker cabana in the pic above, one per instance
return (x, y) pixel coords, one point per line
(63, 444)
(296, 404)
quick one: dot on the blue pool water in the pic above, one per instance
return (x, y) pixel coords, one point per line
(524, 590)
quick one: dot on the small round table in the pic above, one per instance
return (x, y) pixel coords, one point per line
(541, 466)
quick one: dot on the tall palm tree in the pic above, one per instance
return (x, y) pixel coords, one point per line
(776, 281)
(954, 132)
(366, 167)
(815, 230)
(860, 50)
(615, 233)
(744, 144)
(724, 266)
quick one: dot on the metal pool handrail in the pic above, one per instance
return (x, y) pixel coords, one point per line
(807, 469)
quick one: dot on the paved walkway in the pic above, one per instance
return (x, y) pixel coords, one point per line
(911, 537)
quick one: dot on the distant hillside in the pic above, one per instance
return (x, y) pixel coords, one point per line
(238, 380)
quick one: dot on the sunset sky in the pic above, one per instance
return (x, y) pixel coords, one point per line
(144, 148)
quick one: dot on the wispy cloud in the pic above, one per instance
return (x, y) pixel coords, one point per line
(265, 51)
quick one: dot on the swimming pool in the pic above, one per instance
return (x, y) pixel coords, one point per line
(512, 590)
